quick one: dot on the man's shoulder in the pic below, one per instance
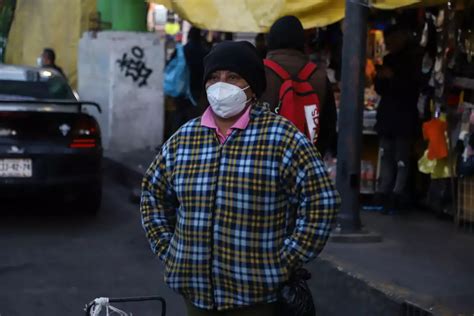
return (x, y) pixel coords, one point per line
(190, 128)
(293, 61)
(55, 68)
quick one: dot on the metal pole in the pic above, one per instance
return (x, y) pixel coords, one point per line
(351, 114)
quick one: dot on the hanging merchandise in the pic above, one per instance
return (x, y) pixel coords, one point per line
(466, 164)
(172, 28)
(176, 82)
(367, 177)
(469, 45)
(437, 169)
(424, 36)
(435, 132)
(463, 69)
(427, 64)
(437, 41)
(440, 20)
(421, 106)
(467, 118)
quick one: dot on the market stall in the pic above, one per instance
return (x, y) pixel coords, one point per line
(444, 37)
(258, 15)
(442, 33)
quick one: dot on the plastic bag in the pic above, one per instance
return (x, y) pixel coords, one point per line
(295, 297)
(176, 81)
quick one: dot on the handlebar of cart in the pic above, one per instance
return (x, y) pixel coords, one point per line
(97, 304)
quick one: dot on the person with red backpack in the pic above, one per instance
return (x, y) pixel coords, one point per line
(297, 88)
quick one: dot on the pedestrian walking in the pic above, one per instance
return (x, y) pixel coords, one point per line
(286, 42)
(237, 199)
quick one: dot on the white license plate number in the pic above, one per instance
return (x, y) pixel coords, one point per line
(16, 168)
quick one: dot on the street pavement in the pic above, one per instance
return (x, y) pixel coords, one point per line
(422, 259)
(54, 262)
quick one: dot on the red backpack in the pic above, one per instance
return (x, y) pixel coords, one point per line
(299, 103)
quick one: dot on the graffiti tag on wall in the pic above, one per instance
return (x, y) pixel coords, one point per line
(133, 66)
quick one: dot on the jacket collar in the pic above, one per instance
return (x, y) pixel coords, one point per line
(257, 110)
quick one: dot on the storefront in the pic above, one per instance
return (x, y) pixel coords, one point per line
(443, 43)
(441, 34)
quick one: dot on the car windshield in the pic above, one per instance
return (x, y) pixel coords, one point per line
(37, 87)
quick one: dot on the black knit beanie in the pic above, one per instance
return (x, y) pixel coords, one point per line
(239, 57)
(286, 32)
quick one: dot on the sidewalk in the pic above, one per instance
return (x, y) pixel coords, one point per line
(421, 260)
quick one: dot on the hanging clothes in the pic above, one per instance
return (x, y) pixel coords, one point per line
(437, 169)
(435, 132)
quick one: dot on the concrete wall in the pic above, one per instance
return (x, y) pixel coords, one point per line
(123, 72)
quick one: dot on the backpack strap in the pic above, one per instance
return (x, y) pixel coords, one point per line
(307, 71)
(282, 73)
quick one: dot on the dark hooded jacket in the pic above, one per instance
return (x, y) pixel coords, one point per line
(397, 114)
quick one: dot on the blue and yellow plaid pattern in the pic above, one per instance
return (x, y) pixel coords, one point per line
(230, 221)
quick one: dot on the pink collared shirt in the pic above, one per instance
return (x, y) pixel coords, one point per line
(208, 120)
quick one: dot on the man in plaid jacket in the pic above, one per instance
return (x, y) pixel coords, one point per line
(237, 199)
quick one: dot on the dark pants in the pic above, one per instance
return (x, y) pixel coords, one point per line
(257, 310)
(394, 165)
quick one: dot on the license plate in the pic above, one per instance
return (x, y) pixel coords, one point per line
(16, 168)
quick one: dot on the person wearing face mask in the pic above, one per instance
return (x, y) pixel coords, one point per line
(238, 198)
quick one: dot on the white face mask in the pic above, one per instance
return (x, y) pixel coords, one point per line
(226, 100)
(39, 61)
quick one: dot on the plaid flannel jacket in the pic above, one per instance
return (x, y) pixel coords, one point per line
(230, 221)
